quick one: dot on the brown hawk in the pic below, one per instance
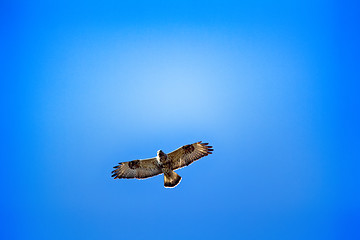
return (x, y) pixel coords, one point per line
(163, 163)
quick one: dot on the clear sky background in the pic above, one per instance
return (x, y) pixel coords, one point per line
(272, 85)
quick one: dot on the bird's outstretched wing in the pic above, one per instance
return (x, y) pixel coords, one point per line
(137, 169)
(187, 154)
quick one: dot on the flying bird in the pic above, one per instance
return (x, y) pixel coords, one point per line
(163, 164)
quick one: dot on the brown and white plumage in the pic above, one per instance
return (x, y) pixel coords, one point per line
(139, 169)
(185, 155)
(163, 163)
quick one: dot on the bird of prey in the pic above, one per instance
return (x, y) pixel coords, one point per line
(163, 163)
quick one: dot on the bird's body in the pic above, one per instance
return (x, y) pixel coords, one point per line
(163, 164)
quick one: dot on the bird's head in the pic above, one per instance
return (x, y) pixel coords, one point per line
(160, 153)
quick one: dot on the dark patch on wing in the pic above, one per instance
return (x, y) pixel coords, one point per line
(187, 154)
(134, 164)
(188, 148)
(139, 169)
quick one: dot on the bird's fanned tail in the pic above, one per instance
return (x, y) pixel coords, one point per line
(171, 179)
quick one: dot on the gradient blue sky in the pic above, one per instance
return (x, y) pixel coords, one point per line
(272, 85)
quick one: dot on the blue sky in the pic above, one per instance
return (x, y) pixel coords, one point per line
(272, 85)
